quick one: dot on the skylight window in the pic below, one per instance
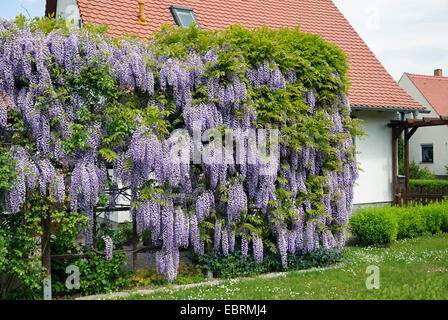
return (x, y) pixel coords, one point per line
(183, 16)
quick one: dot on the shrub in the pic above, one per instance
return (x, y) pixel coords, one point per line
(428, 183)
(375, 226)
(237, 265)
(415, 172)
(426, 174)
(434, 217)
(411, 223)
(187, 273)
(96, 275)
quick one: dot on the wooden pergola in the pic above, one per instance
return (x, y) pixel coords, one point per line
(409, 127)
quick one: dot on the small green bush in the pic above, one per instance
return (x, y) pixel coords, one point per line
(97, 275)
(415, 172)
(374, 226)
(411, 224)
(428, 183)
(434, 216)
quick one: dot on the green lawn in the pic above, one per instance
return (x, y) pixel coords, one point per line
(409, 269)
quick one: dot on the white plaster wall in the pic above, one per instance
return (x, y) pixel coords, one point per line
(374, 158)
(69, 9)
(438, 136)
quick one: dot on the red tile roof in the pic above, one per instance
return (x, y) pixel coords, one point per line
(372, 85)
(434, 89)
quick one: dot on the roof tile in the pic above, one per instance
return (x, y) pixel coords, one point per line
(371, 85)
(434, 89)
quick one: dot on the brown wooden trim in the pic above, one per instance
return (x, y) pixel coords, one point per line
(394, 164)
(425, 122)
(50, 8)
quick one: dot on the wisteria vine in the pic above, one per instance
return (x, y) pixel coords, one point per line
(77, 129)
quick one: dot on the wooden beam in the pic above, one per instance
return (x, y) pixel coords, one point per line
(89, 254)
(134, 242)
(46, 255)
(413, 123)
(406, 158)
(396, 133)
(411, 133)
(395, 136)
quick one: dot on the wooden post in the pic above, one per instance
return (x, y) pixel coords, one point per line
(395, 134)
(406, 159)
(94, 233)
(46, 255)
(134, 243)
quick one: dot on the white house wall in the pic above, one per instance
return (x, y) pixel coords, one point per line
(374, 185)
(438, 136)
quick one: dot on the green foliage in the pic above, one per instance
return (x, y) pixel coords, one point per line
(411, 223)
(412, 269)
(148, 277)
(428, 183)
(236, 265)
(316, 61)
(97, 275)
(7, 170)
(380, 226)
(18, 259)
(20, 243)
(421, 220)
(48, 23)
(415, 172)
(24, 293)
(374, 226)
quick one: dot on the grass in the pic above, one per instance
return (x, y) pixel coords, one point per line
(409, 269)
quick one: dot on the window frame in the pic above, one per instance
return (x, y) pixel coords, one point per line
(176, 18)
(422, 147)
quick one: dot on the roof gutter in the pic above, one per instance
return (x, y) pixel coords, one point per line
(390, 109)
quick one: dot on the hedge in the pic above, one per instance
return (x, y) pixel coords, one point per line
(428, 183)
(381, 226)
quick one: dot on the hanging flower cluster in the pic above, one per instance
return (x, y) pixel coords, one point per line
(228, 181)
(31, 175)
(109, 247)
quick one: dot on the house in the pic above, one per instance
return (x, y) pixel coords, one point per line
(429, 146)
(375, 97)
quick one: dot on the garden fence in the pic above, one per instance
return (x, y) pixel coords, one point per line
(421, 195)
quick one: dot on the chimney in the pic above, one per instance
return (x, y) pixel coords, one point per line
(438, 73)
(141, 14)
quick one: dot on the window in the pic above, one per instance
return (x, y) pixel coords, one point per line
(427, 153)
(183, 16)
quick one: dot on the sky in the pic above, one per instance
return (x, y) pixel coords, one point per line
(11, 8)
(405, 35)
